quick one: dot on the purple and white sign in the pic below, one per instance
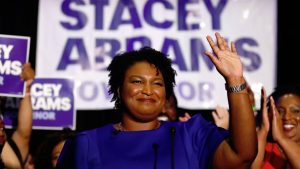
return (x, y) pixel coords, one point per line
(84, 36)
(52, 103)
(14, 52)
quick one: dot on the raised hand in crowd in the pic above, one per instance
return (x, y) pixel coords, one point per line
(262, 131)
(221, 117)
(16, 148)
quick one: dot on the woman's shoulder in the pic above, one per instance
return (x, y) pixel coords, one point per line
(9, 157)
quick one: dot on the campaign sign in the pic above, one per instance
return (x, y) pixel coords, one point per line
(52, 103)
(84, 36)
(14, 52)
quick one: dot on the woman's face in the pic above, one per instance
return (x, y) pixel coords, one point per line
(143, 91)
(288, 107)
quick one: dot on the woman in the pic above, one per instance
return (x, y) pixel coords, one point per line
(140, 82)
(284, 149)
(49, 150)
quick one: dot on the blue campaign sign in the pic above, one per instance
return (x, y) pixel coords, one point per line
(14, 52)
(52, 104)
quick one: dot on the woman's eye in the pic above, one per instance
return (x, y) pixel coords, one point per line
(296, 111)
(280, 111)
(159, 84)
(136, 81)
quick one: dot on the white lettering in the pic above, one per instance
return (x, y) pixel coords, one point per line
(9, 67)
(1, 80)
(47, 90)
(44, 116)
(5, 50)
(48, 103)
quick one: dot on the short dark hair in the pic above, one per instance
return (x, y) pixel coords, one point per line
(122, 61)
(285, 89)
(281, 90)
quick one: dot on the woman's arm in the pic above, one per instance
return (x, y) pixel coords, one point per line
(241, 149)
(262, 132)
(23, 132)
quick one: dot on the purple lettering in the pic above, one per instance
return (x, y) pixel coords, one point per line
(255, 59)
(137, 42)
(148, 11)
(117, 18)
(179, 61)
(198, 49)
(79, 16)
(102, 52)
(215, 12)
(66, 60)
(182, 15)
(99, 5)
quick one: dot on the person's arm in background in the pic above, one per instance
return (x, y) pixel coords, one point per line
(221, 117)
(185, 118)
(241, 149)
(21, 135)
(262, 132)
(290, 148)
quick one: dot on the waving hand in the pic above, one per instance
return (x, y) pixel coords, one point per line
(225, 59)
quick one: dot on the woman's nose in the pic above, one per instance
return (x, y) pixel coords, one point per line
(287, 115)
(147, 90)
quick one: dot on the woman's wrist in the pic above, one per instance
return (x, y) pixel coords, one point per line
(262, 135)
(236, 88)
(233, 81)
(27, 94)
(236, 85)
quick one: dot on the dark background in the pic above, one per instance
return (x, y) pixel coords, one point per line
(19, 17)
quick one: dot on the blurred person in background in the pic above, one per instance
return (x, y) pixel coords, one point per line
(282, 123)
(171, 112)
(49, 150)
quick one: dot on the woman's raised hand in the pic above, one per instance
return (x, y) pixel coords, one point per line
(226, 60)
